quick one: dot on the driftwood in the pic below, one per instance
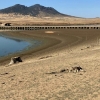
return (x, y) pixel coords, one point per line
(15, 60)
(73, 69)
(61, 71)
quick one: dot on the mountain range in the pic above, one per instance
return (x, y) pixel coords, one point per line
(36, 10)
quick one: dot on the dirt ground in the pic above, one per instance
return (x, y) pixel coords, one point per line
(39, 76)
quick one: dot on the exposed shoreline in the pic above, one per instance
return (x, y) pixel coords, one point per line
(65, 49)
(28, 36)
(51, 41)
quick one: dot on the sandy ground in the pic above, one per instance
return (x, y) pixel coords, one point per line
(30, 80)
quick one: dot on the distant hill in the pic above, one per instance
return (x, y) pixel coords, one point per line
(36, 10)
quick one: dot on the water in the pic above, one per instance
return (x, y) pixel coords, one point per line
(11, 45)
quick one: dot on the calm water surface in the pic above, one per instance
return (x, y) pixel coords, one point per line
(10, 45)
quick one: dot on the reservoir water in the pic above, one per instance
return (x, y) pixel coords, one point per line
(11, 45)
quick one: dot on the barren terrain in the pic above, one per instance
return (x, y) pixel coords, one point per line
(30, 20)
(31, 79)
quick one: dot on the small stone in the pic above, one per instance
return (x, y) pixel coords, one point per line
(3, 83)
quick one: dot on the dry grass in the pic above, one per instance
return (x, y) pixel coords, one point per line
(29, 81)
(29, 20)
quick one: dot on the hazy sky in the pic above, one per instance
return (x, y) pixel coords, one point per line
(80, 8)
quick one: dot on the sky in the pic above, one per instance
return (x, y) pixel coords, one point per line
(79, 8)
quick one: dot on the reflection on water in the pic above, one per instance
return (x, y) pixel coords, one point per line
(17, 40)
(11, 45)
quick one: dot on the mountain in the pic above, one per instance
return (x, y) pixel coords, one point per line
(20, 9)
(36, 10)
